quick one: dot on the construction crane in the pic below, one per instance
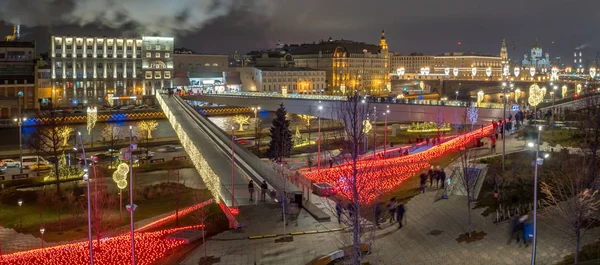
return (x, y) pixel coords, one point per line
(16, 34)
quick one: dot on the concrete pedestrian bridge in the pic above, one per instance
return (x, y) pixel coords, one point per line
(400, 111)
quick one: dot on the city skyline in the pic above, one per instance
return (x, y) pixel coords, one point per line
(430, 28)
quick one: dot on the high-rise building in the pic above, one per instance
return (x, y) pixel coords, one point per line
(105, 70)
(17, 77)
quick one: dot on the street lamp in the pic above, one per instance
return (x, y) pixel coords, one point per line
(92, 118)
(130, 207)
(19, 122)
(319, 139)
(538, 161)
(89, 204)
(20, 203)
(503, 122)
(256, 140)
(385, 115)
(374, 132)
(232, 167)
(42, 230)
(456, 92)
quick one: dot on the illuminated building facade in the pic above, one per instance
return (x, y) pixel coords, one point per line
(17, 75)
(419, 66)
(283, 80)
(349, 66)
(186, 60)
(89, 70)
(536, 59)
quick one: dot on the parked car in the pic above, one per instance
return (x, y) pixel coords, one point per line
(169, 148)
(41, 166)
(101, 157)
(138, 154)
(10, 163)
(29, 161)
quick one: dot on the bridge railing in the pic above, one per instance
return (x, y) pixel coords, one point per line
(243, 155)
(386, 100)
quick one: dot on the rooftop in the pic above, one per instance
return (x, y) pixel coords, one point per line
(288, 69)
(18, 44)
(329, 47)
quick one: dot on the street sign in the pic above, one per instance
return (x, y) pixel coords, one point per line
(20, 176)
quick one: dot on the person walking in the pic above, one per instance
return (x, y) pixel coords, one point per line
(430, 175)
(400, 214)
(263, 189)
(330, 163)
(423, 181)
(392, 209)
(338, 210)
(427, 140)
(437, 176)
(251, 189)
(493, 144)
(377, 214)
(442, 177)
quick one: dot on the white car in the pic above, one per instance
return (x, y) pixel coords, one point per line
(10, 163)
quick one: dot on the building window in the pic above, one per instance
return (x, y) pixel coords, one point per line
(158, 47)
(215, 64)
(148, 47)
(157, 55)
(157, 75)
(148, 55)
(167, 75)
(148, 74)
(167, 55)
(206, 64)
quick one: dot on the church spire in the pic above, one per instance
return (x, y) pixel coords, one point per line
(504, 53)
(383, 42)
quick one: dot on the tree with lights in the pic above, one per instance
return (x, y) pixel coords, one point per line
(472, 114)
(281, 136)
(306, 121)
(92, 118)
(65, 133)
(241, 120)
(146, 128)
(298, 136)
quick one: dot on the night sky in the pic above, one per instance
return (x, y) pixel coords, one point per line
(213, 26)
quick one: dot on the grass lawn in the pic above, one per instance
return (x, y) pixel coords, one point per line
(587, 252)
(74, 226)
(564, 137)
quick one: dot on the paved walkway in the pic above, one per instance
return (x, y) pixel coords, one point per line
(429, 236)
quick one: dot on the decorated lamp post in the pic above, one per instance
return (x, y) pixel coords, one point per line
(92, 118)
(535, 97)
(480, 96)
(131, 207)
(20, 203)
(385, 115)
(120, 178)
(455, 72)
(42, 230)
(517, 71)
(538, 161)
(89, 204)
(256, 140)
(319, 140)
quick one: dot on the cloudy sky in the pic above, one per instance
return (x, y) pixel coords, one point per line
(221, 26)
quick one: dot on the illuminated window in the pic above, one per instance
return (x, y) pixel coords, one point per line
(206, 64)
(215, 64)
(167, 55)
(157, 75)
(148, 54)
(157, 55)
(167, 75)
(148, 74)
(158, 47)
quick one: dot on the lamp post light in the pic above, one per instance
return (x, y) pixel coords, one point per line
(538, 161)
(19, 122)
(232, 167)
(256, 140)
(374, 132)
(503, 122)
(131, 207)
(319, 139)
(456, 92)
(20, 203)
(385, 115)
(480, 95)
(89, 204)
(366, 117)
(42, 230)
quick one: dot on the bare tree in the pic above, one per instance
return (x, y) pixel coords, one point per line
(570, 198)
(588, 120)
(468, 178)
(202, 214)
(48, 140)
(112, 135)
(306, 122)
(103, 216)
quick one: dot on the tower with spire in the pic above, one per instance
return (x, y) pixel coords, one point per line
(383, 42)
(504, 54)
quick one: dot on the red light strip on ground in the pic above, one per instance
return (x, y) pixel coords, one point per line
(377, 177)
(172, 217)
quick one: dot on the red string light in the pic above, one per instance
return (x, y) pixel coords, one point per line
(149, 247)
(377, 177)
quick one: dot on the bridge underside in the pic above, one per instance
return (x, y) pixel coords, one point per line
(398, 112)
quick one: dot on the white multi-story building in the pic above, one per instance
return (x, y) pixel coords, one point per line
(99, 70)
(283, 80)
